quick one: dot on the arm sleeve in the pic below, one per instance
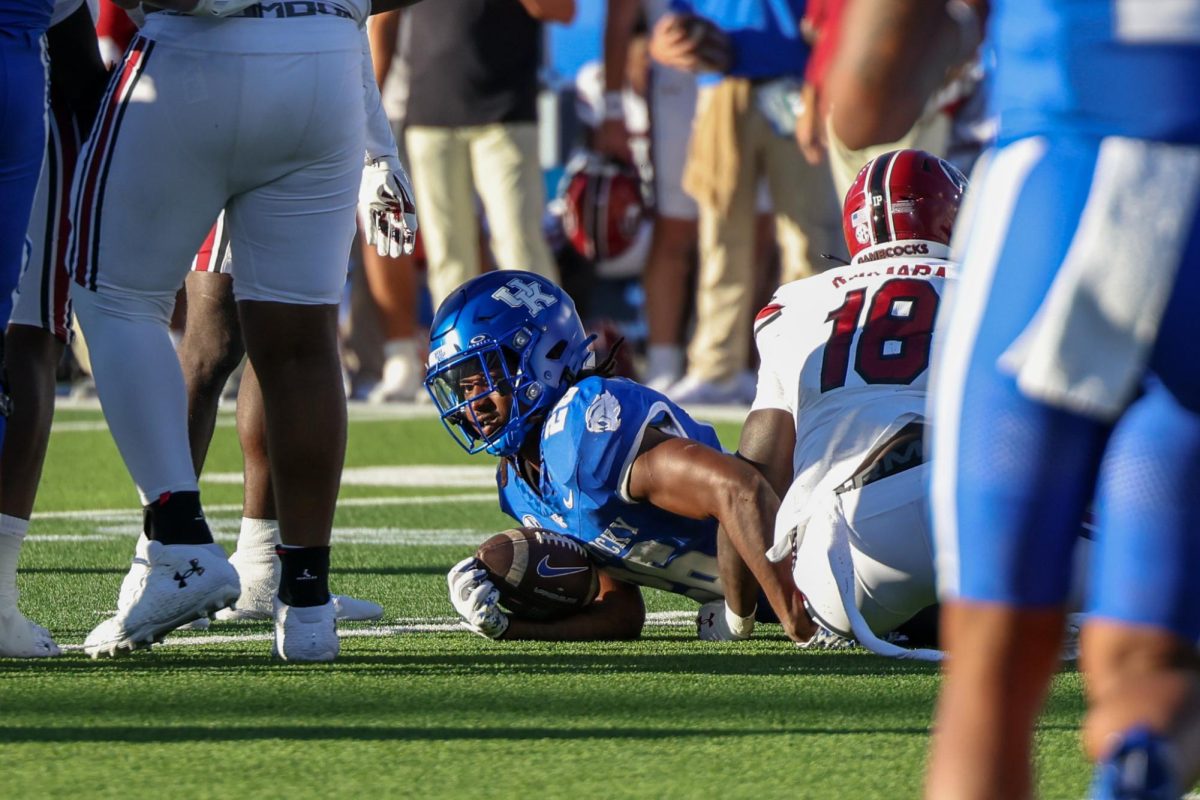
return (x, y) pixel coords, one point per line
(380, 141)
(772, 351)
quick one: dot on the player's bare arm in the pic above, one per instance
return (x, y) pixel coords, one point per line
(383, 33)
(876, 90)
(617, 613)
(612, 139)
(767, 443)
(692, 480)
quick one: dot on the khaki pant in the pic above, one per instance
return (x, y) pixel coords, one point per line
(807, 224)
(500, 163)
(931, 133)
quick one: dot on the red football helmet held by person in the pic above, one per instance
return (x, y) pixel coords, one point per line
(902, 203)
(601, 206)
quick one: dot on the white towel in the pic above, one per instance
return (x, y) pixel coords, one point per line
(1085, 350)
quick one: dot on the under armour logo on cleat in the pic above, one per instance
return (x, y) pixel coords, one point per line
(195, 569)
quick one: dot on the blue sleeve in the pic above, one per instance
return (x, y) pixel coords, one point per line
(594, 442)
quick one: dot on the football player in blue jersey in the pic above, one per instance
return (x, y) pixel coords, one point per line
(605, 460)
(1066, 377)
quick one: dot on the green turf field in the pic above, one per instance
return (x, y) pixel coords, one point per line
(414, 707)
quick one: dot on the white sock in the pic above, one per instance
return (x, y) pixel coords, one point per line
(12, 536)
(663, 360)
(740, 626)
(258, 537)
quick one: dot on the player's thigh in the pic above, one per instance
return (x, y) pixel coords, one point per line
(292, 222)
(151, 178)
(1012, 477)
(1147, 551)
(892, 547)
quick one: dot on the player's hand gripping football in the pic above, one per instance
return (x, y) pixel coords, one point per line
(385, 202)
(476, 599)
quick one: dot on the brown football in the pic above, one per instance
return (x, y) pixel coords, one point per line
(541, 575)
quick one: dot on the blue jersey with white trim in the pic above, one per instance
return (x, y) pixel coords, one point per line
(589, 441)
(1097, 67)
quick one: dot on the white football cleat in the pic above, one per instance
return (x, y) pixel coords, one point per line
(167, 586)
(260, 582)
(23, 638)
(307, 633)
(352, 609)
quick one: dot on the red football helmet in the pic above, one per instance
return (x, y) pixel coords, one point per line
(602, 207)
(899, 196)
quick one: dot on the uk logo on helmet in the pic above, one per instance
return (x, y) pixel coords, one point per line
(517, 293)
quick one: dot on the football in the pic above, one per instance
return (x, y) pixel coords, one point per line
(541, 575)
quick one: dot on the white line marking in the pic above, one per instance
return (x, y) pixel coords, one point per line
(121, 515)
(666, 619)
(229, 533)
(418, 475)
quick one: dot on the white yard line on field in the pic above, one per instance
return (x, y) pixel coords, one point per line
(668, 619)
(122, 515)
(361, 412)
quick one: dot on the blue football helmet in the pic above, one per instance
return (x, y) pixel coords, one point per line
(503, 349)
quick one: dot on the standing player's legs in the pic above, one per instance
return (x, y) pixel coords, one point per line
(291, 239)
(129, 250)
(673, 247)
(39, 328)
(211, 348)
(1139, 643)
(1011, 478)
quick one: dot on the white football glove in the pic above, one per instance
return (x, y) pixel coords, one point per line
(385, 204)
(476, 599)
(716, 623)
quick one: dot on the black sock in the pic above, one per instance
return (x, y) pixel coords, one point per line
(305, 578)
(176, 518)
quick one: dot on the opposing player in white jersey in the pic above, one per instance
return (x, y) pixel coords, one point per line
(837, 424)
(212, 348)
(190, 127)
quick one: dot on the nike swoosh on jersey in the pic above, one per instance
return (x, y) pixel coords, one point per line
(546, 571)
(569, 500)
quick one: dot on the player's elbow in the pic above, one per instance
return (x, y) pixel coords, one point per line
(866, 124)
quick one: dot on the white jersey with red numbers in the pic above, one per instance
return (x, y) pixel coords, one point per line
(846, 353)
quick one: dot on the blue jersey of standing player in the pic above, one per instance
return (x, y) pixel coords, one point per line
(588, 443)
(1097, 67)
